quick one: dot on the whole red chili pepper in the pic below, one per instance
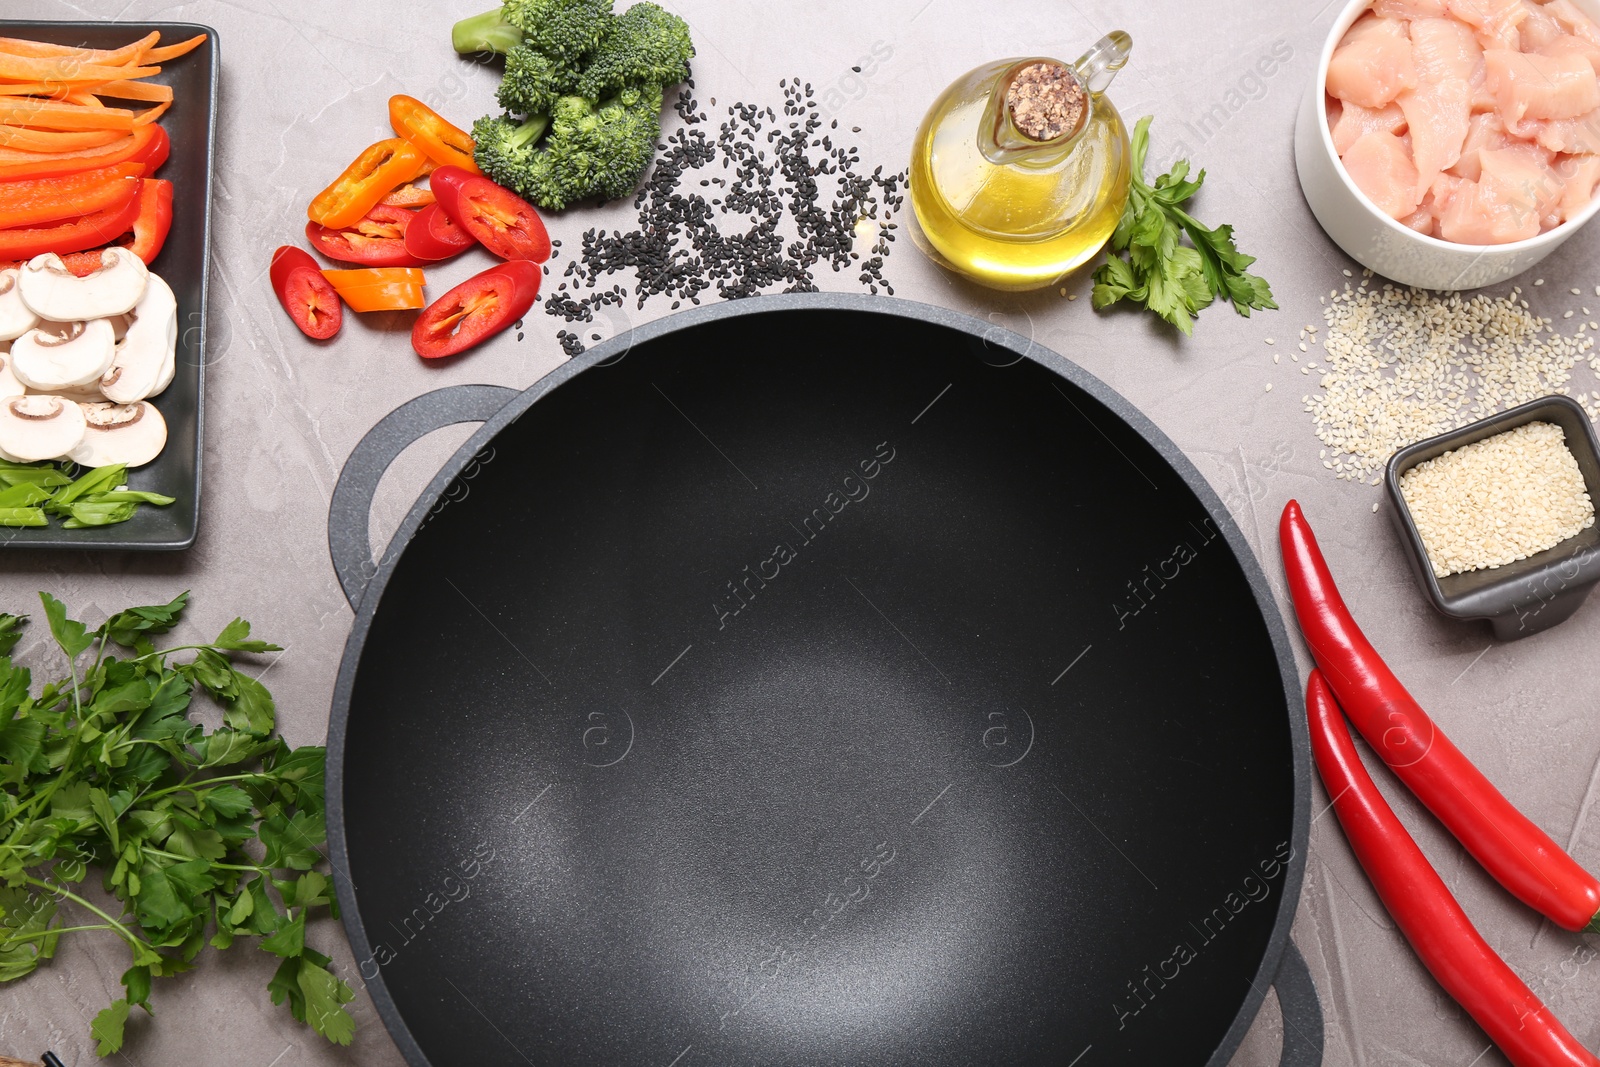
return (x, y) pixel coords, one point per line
(1518, 854)
(1424, 909)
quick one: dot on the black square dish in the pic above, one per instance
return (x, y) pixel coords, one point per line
(1531, 594)
(183, 264)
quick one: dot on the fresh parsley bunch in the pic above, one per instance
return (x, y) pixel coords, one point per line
(1172, 279)
(199, 836)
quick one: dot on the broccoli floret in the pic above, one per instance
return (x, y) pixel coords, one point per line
(534, 81)
(561, 29)
(591, 150)
(646, 45)
(487, 32)
(505, 149)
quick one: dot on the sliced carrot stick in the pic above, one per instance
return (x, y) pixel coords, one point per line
(61, 115)
(149, 115)
(132, 90)
(65, 69)
(110, 56)
(51, 90)
(83, 98)
(173, 51)
(55, 141)
(95, 154)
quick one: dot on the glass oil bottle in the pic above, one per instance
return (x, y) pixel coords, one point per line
(1020, 169)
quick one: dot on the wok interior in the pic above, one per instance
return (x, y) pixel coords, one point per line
(740, 706)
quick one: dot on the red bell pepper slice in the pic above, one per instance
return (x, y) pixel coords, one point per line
(35, 201)
(147, 144)
(378, 240)
(149, 229)
(434, 236)
(89, 231)
(305, 294)
(476, 310)
(440, 141)
(497, 218)
(368, 179)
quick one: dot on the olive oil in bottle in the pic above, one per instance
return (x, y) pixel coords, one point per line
(1020, 170)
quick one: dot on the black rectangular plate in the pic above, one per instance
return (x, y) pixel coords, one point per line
(183, 263)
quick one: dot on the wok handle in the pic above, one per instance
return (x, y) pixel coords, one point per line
(1301, 1009)
(351, 506)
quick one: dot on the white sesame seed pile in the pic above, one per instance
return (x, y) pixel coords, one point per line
(1404, 364)
(1499, 500)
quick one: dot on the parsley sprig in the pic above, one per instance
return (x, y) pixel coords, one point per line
(200, 836)
(1170, 278)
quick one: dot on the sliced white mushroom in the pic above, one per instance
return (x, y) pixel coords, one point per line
(53, 292)
(133, 434)
(63, 355)
(120, 324)
(40, 427)
(146, 358)
(87, 394)
(15, 318)
(9, 385)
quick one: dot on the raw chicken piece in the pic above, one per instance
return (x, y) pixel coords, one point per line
(1524, 173)
(1568, 45)
(1333, 108)
(1580, 136)
(1484, 131)
(1408, 9)
(1355, 120)
(1494, 21)
(1572, 20)
(1539, 28)
(1579, 175)
(1420, 220)
(1381, 168)
(1482, 213)
(1445, 54)
(1540, 87)
(1372, 64)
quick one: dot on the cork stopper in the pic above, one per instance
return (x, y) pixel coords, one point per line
(1046, 100)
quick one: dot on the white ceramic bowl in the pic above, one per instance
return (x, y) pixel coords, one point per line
(1374, 239)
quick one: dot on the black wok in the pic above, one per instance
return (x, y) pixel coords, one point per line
(814, 680)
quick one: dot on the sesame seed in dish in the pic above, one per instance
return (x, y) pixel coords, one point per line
(1498, 500)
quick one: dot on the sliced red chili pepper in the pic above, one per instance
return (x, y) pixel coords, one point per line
(497, 218)
(1518, 854)
(379, 289)
(367, 180)
(476, 310)
(305, 294)
(434, 236)
(378, 240)
(36, 201)
(424, 127)
(148, 144)
(89, 231)
(1423, 907)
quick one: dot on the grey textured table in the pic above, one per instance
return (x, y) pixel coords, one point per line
(305, 85)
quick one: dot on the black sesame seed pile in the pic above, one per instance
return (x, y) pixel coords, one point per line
(774, 174)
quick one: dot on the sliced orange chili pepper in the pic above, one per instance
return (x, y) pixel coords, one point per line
(364, 182)
(378, 288)
(424, 127)
(409, 195)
